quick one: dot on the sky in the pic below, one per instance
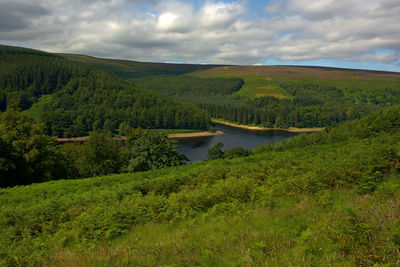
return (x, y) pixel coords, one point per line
(362, 34)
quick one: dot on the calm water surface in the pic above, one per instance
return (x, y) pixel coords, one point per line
(196, 148)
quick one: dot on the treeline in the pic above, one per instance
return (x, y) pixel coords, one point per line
(85, 99)
(272, 112)
(350, 95)
(386, 121)
(313, 103)
(28, 156)
(183, 85)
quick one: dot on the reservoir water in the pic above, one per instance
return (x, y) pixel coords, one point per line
(195, 149)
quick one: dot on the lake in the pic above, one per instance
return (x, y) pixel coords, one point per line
(195, 149)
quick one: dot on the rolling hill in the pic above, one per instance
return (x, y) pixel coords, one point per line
(133, 69)
(284, 96)
(268, 96)
(359, 84)
(73, 98)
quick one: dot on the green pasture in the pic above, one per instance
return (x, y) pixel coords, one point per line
(36, 109)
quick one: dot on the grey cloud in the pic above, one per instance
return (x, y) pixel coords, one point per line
(16, 15)
(217, 32)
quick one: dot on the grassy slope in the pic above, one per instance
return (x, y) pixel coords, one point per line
(36, 109)
(272, 76)
(329, 204)
(132, 69)
(259, 81)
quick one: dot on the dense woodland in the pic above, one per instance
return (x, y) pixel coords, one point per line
(28, 156)
(186, 85)
(312, 104)
(85, 99)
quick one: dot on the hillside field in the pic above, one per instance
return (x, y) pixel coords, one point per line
(268, 77)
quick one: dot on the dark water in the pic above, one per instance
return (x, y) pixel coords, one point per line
(195, 149)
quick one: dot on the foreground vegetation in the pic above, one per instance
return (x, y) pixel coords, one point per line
(325, 199)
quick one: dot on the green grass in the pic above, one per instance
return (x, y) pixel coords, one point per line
(354, 84)
(254, 85)
(37, 108)
(268, 91)
(297, 232)
(325, 199)
(278, 208)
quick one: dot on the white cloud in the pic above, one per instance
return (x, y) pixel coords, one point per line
(219, 14)
(385, 57)
(214, 31)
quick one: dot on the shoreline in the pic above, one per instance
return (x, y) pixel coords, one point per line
(196, 134)
(123, 138)
(259, 128)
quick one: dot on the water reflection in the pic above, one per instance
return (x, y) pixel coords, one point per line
(196, 148)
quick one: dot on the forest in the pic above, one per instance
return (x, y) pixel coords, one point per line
(85, 99)
(285, 102)
(268, 96)
(28, 155)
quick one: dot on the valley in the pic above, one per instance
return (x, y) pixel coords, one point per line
(305, 174)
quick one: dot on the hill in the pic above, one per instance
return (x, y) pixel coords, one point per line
(132, 69)
(283, 96)
(73, 98)
(327, 198)
(267, 96)
(281, 77)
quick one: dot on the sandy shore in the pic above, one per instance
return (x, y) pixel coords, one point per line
(258, 128)
(198, 134)
(123, 138)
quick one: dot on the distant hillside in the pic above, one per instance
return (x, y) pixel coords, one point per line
(73, 98)
(132, 69)
(273, 80)
(268, 96)
(326, 199)
(282, 96)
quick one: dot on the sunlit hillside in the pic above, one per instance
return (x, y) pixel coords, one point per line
(328, 198)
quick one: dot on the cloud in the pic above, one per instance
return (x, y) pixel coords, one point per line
(273, 6)
(15, 15)
(211, 31)
(384, 57)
